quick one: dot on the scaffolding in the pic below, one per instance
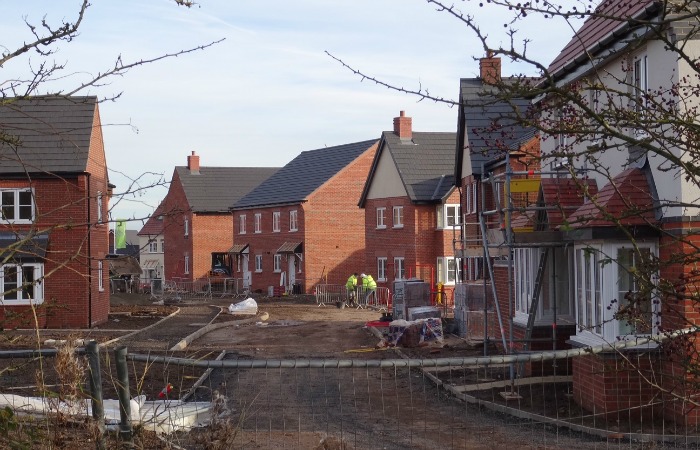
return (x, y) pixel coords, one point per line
(508, 220)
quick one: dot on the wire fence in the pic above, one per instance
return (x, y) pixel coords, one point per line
(384, 401)
(360, 297)
(203, 289)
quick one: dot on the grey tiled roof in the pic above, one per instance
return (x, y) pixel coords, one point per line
(489, 125)
(47, 134)
(425, 163)
(303, 175)
(216, 189)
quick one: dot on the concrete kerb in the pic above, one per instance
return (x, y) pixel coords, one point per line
(128, 335)
(215, 326)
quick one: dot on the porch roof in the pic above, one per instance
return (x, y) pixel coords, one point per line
(290, 247)
(237, 249)
(17, 247)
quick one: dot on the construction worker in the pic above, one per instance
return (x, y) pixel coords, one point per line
(351, 286)
(370, 287)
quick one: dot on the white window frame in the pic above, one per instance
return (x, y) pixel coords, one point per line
(399, 268)
(100, 277)
(640, 88)
(603, 284)
(186, 224)
(153, 246)
(258, 222)
(99, 207)
(277, 263)
(293, 220)
(449, 270)
(162, 245)
(241, 224)
(17, 206)
(381, 218)
(258, 263)
(381, 268)
(187, 265)
(470, 197)
(443, 215)
(525, 263)
(397, 214)
(38, 285)
(276, 222)
(472, 268)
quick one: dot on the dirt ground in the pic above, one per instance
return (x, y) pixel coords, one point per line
(281, 408)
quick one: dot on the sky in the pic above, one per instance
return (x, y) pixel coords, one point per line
(268, 91)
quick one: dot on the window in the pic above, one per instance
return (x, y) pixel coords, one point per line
(448, 216)
(258, 263)
(381, 217)
(162, 245)
(100, 280)
(611, 303)
(241, 224)
(448, 269)
(473, 266)
(554, 286)
(186, 225)
(381, 269)
(293, 226)
(153, 247)
(470, 198)
(276, 222)
(21, 284)
(640, 84)
(187, 265)
(277, 266)
(17, 205)
(258, 223)
(99, 207)
(398, 216)
(399, 269)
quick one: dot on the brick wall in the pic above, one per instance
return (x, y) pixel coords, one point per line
(330, 225)
(175, 211)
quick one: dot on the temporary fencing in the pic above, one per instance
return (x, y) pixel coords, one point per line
(333, 294)
(393, 402)
(178, 291)
(228, 287)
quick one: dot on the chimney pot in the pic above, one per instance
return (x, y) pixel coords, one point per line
(403, 126)
(193, 163)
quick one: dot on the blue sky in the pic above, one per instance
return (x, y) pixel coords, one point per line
(268, 91)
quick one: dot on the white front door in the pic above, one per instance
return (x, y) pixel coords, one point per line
(247, 275)
(292, 270)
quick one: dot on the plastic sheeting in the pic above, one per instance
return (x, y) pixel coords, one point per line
(247, 306)
(161, 416)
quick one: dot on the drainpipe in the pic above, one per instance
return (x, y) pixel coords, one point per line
(89, 242)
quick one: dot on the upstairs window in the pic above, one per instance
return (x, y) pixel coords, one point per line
(241, 224)
(153, 247)
(100, 278)
(258, 223)
(398, 216)
(640, 84)
(448, 216)
(381, 218)
(186, 226)
(17, 205)
(99, 207)
(276, 222)
(293, 225)
(470, 198)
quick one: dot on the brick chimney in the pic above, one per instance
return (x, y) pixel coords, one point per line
(490, 69)
(193, 163)
(402, 126)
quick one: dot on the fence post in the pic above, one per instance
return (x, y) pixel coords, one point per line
(125, 431)
(98, 412)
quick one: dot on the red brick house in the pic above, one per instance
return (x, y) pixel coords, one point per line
(196, 216)
(54, 197)
(411, 207)
(612, 226)
(302, 226)
(152, 247)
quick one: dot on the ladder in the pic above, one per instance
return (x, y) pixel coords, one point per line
(534, 304)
